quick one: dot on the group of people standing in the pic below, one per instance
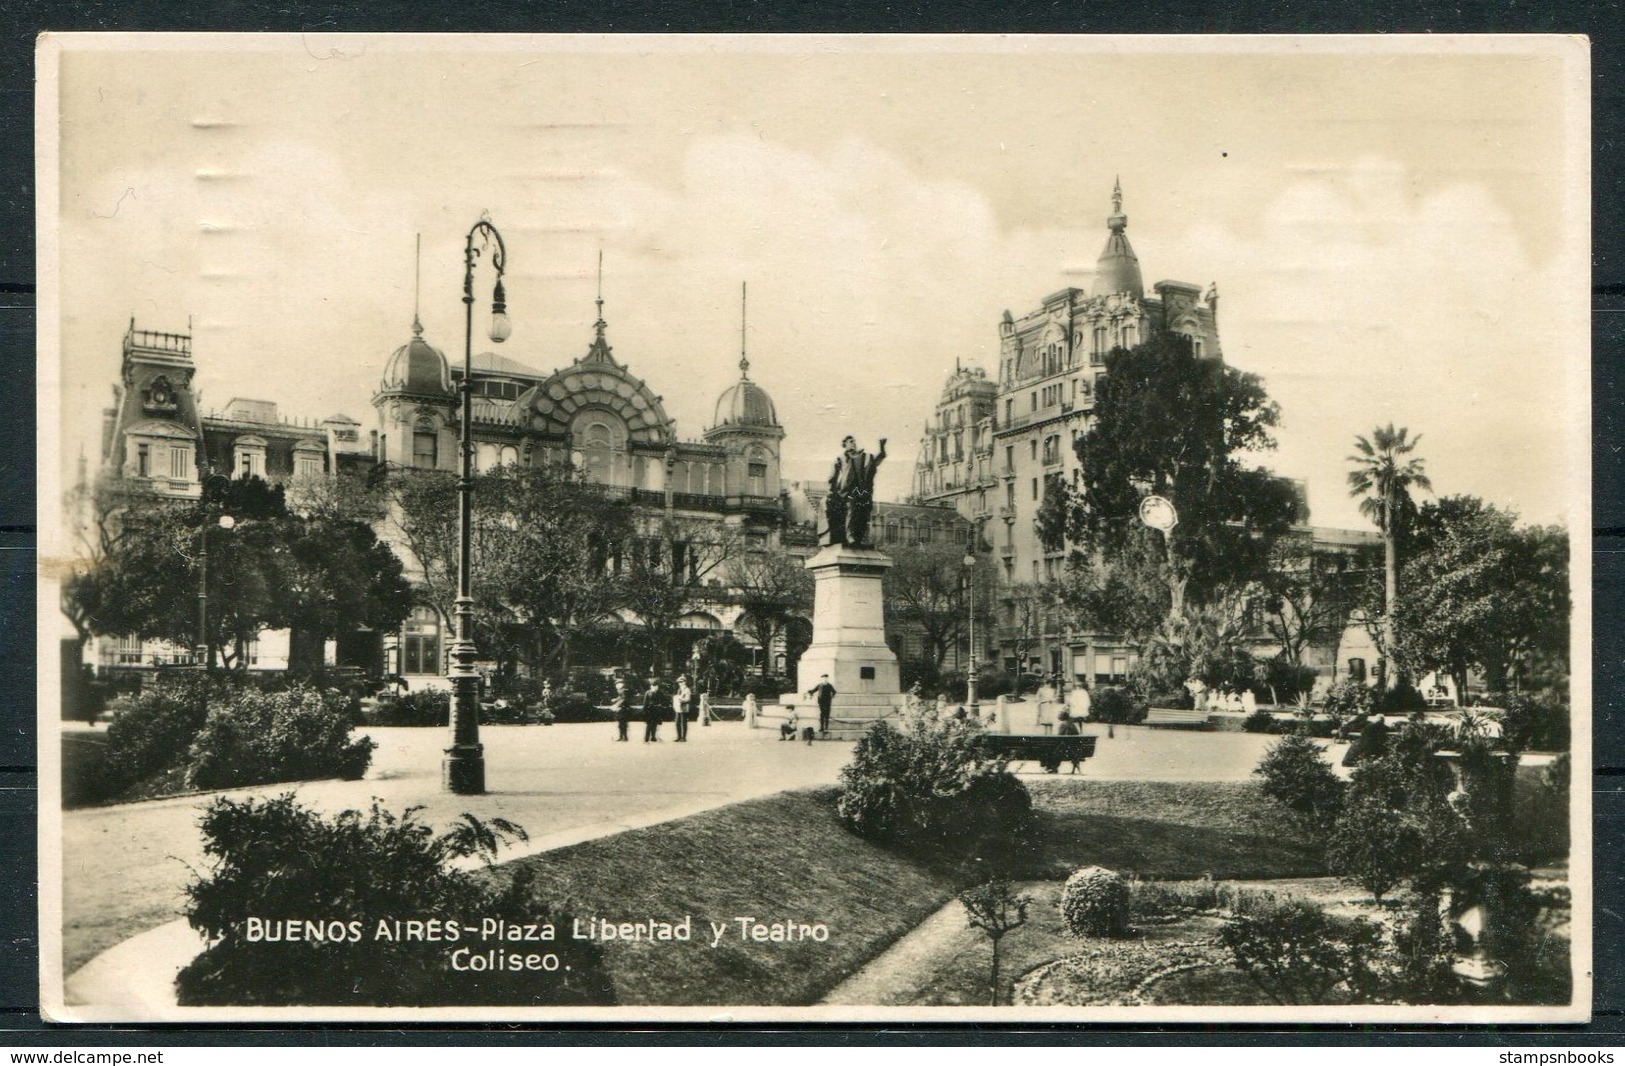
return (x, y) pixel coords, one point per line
(682, 702)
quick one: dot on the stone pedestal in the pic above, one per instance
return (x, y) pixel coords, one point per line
(849, 642)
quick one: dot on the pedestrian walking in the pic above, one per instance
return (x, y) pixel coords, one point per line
(705, 707)
(825, 692)
(654, 708)
(751, 710)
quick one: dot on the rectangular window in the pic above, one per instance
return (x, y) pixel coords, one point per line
(309, 466)
(180, 460)
(1009, 411)
(1033, 445)
(1034, 396)
(127, 651)
(1035, 488)
(1010, 457)
(426, 449)
(143, 460)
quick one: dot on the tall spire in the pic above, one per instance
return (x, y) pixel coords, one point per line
(417, 288)
(600, 325)
(599, 351)
(744, 363)
(1118, 221)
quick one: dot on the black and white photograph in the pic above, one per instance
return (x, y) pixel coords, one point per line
(820, 528)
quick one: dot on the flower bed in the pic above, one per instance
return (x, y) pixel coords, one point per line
(1118, 973)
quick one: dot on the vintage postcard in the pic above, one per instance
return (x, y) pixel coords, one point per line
(840, 528)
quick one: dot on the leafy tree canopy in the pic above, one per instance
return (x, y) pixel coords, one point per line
(1169, 423)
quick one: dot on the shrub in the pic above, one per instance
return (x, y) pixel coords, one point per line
(256, 737)
(153, 733)
(1296, 953)
(1169, 900)
(1297, 773)
(768, 687)
(355, 875)
(425, 707)
(1420, 955)
(1116, 705)
(577, 707)
(928, 785)
(1260, 721)
(1531, 723)
(1397, 825)
(1401, 699)
(1285, 681)
(1349, 698)
(1095, 902)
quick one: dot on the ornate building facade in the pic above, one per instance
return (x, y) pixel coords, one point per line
(592, 412)
(995, 444)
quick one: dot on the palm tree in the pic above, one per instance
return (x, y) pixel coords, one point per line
(1384, 477)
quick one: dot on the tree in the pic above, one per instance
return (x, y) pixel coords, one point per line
(1125, 594)
(925, 592)
(1305, 600)
(146, 583)
(1479, 593)
(1027, 608)
(996, 910)
(547, 541)
(771, 587)
(1383, 477)
(333, 575)
(1174, 425)
(667, 574)
(544, 543)
(273, 569)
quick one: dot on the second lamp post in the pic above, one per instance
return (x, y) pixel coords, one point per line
(463, 770)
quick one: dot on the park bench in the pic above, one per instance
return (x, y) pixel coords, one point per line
(1175, 718)
(1045, 750)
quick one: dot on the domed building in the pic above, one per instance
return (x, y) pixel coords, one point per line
(594, 414)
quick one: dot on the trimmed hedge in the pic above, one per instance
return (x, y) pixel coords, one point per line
(1095, 902)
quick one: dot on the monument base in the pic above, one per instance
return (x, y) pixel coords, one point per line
(849, 643)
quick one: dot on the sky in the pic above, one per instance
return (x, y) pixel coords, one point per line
(1397, 227)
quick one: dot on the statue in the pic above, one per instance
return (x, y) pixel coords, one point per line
(852, 493)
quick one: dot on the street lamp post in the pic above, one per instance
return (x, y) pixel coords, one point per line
(970, 610)
(463, 770)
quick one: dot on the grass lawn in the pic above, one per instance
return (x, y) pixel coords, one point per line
(1170, 830)
(787, 857)
(782, 858)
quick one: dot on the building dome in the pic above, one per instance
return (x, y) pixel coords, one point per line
(745, 403)
(417, 366)
(1118, 269)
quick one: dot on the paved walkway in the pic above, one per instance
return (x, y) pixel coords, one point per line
(125, 867)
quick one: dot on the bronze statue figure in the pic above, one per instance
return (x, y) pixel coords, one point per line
(852, 493)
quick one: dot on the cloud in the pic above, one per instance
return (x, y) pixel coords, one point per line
(1362, 303)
